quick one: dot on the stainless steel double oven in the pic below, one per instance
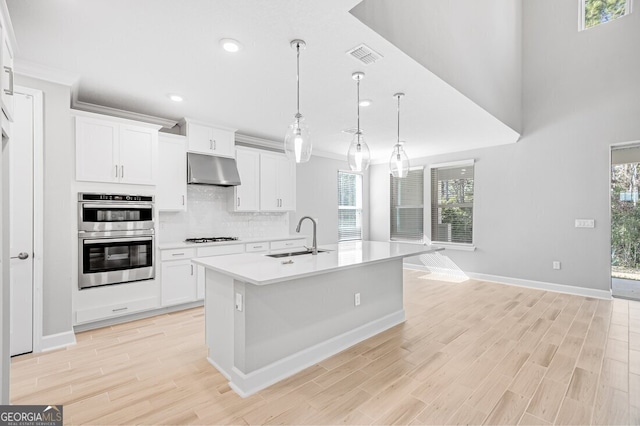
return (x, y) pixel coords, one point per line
(115, 239)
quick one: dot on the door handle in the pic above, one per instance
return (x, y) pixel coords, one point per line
(22, 256)
(9, 91)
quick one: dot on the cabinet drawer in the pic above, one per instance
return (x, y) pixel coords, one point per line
(256, 247)
(281, 245)
(115, 310)
(176, 254)
(220, 250)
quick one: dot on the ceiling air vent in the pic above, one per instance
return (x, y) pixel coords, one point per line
(365, 54)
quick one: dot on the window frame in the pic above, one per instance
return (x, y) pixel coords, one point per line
(361, 208)
(582, 25)
(427, 215)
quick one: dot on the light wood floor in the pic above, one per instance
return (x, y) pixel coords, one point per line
(469, 353)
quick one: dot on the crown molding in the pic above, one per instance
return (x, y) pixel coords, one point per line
(114, 112)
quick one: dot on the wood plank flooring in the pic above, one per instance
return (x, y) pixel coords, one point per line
(469, 353)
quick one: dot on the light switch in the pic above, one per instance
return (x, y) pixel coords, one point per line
(238, 302)
(585, 223)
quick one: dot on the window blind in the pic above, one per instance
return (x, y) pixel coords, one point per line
(407, 206)
(349, 206)
(452, 204)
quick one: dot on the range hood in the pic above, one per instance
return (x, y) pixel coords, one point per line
(211, 170)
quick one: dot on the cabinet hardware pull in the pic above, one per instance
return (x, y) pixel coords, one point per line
(119, 309)
(177, 254)
(183, 200)
(122, 172)
(116, 170)
(191, 269)
(210, 144)
(214, 144)
(238, 202)
(9, 91)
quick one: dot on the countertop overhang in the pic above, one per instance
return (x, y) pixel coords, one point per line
(259, 269)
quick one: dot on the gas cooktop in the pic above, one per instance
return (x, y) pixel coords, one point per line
(210, 240)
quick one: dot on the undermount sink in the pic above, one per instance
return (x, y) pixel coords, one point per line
(295, 253)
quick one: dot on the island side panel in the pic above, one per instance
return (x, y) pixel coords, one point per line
(219, 320)
(285, 318)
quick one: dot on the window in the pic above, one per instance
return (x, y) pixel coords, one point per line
(452, 203)
(407, 207)
(596, 12)
(349, 206)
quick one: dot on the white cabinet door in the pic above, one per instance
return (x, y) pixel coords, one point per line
(7, 78)
(287, 184)
(269, 199)
(171, 189)
(97, 150)
(138, 154)
(277, 183)
(210, 140)
(247, 195)
(178, 282)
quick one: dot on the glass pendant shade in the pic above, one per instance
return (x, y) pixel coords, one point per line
(399, 162)
(358, 156)
(297, 141)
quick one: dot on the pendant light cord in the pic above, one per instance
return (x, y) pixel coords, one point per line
(298, 76)
(358, 89)
(398, 119)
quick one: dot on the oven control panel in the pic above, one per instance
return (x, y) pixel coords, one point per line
(114, 197)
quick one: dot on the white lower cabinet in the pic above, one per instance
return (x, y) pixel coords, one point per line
(178, 282)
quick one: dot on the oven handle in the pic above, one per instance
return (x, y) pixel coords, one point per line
(115, 240)
(118, 206)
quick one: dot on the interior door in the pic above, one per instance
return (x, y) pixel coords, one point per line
(21, 228)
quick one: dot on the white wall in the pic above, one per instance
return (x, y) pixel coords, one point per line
(59, 205)
(317, 196)
(473, 45)
(581, 92)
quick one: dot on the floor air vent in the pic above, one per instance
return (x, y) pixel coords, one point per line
(365, 54)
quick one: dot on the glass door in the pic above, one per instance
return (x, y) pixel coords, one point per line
(625, 222)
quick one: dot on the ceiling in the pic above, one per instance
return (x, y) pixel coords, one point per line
(130, 55)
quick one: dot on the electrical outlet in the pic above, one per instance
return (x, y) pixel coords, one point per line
(239, 302)
(356, 299)
(556, 264)
(585, 223)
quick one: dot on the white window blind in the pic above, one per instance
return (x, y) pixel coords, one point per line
(407, 206)
(452, 204)
(349, 206)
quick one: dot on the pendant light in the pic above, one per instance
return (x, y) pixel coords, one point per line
(358, 155)
(399, 161)
(297, 141)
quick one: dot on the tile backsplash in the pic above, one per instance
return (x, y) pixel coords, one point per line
(207, 215)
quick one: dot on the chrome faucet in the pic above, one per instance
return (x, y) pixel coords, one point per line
(314, 249)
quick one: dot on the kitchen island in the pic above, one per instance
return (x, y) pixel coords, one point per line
(267, 318)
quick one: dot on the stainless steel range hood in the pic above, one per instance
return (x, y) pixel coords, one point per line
(211, 170)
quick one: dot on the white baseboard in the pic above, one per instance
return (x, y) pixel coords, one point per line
(57, 341)
(539, 285)
(558, 288)
(250, 383)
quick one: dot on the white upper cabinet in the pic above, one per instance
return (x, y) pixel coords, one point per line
(277, 183)
(171, 189)
(246, 196)
(207, 139)
(7, 40)
(115, 150)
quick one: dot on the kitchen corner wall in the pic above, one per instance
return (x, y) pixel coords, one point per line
(317, 196)
(59, 205)
(207, 215)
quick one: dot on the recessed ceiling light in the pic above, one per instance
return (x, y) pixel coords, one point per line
(230, 45)
(365, 102)
(176, 98)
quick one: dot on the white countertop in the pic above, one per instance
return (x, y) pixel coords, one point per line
(183, 244)
(260, 269)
